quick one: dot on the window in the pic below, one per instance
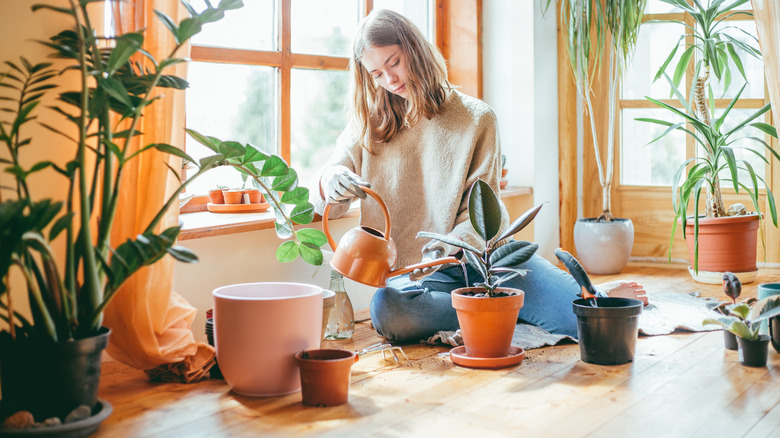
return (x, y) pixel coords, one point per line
(655, 165)
(274, 74)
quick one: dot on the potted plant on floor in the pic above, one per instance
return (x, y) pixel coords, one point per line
(601, 33)
(487, 313)
(743, 321)
(722, 240)
(67, 300)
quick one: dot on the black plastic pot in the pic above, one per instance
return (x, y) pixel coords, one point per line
(774, 332)
(730, 340)
(50, 379)
(607, 333)
(753, 353)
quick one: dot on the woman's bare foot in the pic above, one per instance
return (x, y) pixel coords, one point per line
(624, 289)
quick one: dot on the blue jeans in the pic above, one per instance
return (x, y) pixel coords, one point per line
(409, 311)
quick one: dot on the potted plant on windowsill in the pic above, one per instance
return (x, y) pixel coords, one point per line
(743, 320)
(487, 313)
(715, 149)
(601, 33)
(67, 300)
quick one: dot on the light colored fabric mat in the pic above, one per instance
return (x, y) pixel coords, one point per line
(666, 313)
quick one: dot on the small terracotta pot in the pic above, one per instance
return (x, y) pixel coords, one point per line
(504, 172)
(253, 196)
(487, 324)
(325, 376)
(233, 196)
(725, 243)
(216, 196)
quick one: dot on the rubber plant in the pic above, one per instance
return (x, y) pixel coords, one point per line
(714, 50)
(496, 259)
(743, 320)
(67, 299)
(601, 32)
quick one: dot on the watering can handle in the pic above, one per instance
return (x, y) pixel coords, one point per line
(382, 205)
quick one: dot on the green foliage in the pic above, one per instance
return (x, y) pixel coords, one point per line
(713, 47)
(715, 152)
(495, 262)
(744, 320)
(67, 300)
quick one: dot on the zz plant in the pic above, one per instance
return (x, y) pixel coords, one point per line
(67, 299)
(495, 260)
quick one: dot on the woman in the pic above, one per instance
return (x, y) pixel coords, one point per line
(421, 144)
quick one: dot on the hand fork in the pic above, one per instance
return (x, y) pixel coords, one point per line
(386, 348)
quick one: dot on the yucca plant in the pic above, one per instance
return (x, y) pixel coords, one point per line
(714, 50)
(496, 259)
(715, 153)
(67, 300)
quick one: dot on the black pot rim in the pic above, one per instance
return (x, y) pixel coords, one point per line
(618, 308)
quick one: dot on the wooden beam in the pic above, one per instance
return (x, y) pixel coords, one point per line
(567, 144)
(459, 25)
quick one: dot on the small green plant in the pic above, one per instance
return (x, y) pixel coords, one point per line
(494, 261)
(743, 320)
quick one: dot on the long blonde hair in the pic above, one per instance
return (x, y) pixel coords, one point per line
(376, 114)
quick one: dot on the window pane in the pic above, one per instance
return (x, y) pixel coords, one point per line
(744, 31)
(230, 102)
(659, 7)
(323, 27)
(318, 116)
(418, 12)
(251, 27)
(742, 148)
(654, 44)
(643, 164)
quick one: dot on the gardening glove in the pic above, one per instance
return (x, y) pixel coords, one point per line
(339, 185)
(431, 251)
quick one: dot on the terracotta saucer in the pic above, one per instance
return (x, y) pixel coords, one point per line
(459, 357)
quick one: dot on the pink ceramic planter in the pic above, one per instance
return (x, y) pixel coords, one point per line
(258, 329)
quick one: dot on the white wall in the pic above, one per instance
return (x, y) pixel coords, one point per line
(520, 83)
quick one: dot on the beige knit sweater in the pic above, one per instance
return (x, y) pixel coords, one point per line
(424, 175)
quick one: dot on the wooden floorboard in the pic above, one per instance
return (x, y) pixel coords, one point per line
(680, 385)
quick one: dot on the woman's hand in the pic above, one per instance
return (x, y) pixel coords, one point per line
(339, 185)
(431, 251)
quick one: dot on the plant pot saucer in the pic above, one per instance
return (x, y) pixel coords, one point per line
(711, 277)
(459, 357)
(237, 208)
(82, 428)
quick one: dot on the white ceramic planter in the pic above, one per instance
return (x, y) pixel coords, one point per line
(258, 329)
(603, 247)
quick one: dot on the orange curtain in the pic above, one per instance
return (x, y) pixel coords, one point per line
(767, 16)
(150, 323)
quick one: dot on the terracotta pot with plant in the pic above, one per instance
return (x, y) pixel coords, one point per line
(724, 239)
(216, 196)
(487, 313)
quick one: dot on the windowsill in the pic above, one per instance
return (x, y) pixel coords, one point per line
(202, 224)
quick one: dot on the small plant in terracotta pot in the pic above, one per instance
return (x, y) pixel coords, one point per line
(743, 320)
(233, 196)
(216, 196)
(487, 313)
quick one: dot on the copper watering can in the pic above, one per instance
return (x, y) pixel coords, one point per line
(367, 255)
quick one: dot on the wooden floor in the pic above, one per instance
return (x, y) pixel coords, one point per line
(682, 385)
